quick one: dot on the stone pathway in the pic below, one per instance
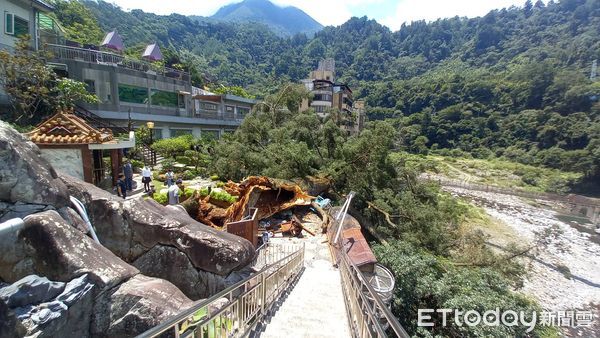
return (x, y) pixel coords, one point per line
(315, 306)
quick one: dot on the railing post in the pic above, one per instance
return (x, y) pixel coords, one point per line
(263, 292)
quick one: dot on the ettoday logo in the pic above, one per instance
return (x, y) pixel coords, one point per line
(506, 318)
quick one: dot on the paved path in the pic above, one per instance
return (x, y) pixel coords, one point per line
(315, 306)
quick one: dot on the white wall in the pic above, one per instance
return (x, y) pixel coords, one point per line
(68, 161)
(18, 8)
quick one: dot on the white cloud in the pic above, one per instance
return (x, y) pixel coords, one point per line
(185, 7)
(328, 12)
(336, 12)
(431, 10)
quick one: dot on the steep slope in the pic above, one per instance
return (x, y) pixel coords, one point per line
(284, 21)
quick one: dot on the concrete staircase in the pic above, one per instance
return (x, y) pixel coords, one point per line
(315, 306)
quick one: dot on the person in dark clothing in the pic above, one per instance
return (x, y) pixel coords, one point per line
(122, 186)
(128, 171)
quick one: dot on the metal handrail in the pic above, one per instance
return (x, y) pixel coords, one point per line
(235, 311)
(368, 315)
(102, 57)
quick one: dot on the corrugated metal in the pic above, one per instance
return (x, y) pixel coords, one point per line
(357, 247)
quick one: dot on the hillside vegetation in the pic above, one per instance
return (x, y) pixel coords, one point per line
(514, 83)
(497, 172)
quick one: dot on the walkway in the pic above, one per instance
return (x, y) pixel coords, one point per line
(315, 306)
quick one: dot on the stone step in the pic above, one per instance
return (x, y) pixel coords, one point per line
(315, 306)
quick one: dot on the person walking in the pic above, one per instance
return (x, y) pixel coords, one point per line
(170, 176)
(146, 178)
(128, 171)
(122, 186)
(174, 192)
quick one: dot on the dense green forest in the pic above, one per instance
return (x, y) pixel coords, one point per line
(514, 83)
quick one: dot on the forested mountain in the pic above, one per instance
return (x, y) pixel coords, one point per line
(514, 83)
(284, 21)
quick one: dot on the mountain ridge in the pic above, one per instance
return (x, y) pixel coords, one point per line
(284, 21)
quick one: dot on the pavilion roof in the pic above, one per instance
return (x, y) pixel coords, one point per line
(68, 128)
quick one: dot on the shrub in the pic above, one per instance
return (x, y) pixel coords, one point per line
(188, 175)
(161, 198)
(137, 164)
(223, 196)
(183, 160)
(214, 177)
(530, 178)
(173, 147)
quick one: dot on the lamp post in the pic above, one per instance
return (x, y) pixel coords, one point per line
(150, 126)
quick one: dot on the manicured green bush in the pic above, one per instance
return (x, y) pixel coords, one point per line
(183, 160)
(214, 177)
(161, 198)
(137, 164)
(173, 147)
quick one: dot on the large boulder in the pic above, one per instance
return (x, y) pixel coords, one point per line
(166, 262)
(48, 246)
(25, 176)
(136, 306)
(131, 228)
(51, 309)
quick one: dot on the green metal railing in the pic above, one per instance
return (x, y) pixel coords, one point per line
(235, 311)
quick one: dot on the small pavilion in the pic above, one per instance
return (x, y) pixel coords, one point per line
(76, 148)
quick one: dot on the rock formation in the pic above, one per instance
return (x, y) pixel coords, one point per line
(164, 242)
(91, 289)
(28, 183)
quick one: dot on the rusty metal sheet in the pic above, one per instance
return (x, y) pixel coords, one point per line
(357, 247)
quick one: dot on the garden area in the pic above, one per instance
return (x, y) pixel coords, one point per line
(187, 157)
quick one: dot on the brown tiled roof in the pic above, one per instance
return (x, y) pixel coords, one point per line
(67, 128)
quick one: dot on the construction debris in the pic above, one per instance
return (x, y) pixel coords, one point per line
(281, 207)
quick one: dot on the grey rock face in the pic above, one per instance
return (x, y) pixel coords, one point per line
(66, 314)
(166, 262)
(136, 306)
(130, 228)
(30, 290)
(25, 176)
(48, 246)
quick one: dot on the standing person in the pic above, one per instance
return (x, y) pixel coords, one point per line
(146, 178)
(122, 186)
(175, 192)
(170, 176)
(128, 171)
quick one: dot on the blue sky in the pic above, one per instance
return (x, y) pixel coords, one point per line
(391, 13)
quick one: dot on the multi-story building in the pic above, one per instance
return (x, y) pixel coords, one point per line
(132, 92)
(19, 18)
(329, 97)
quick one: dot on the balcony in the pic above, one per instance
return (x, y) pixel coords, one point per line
(62, 52)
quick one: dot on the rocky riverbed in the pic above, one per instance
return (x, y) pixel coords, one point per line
(564, 268)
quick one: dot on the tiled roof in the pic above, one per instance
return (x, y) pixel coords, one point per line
(67, 128)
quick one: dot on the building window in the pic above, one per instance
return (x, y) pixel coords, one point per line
(210, 134)
(157, 134)
(163, 99)
(208, 106)
(21, 27)
(181, 99)
(90, 86)
(242, 112)
(133, 94)
(180, 132)
(9, 23)
(320, 109)
(229, 109)
(322, 97)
